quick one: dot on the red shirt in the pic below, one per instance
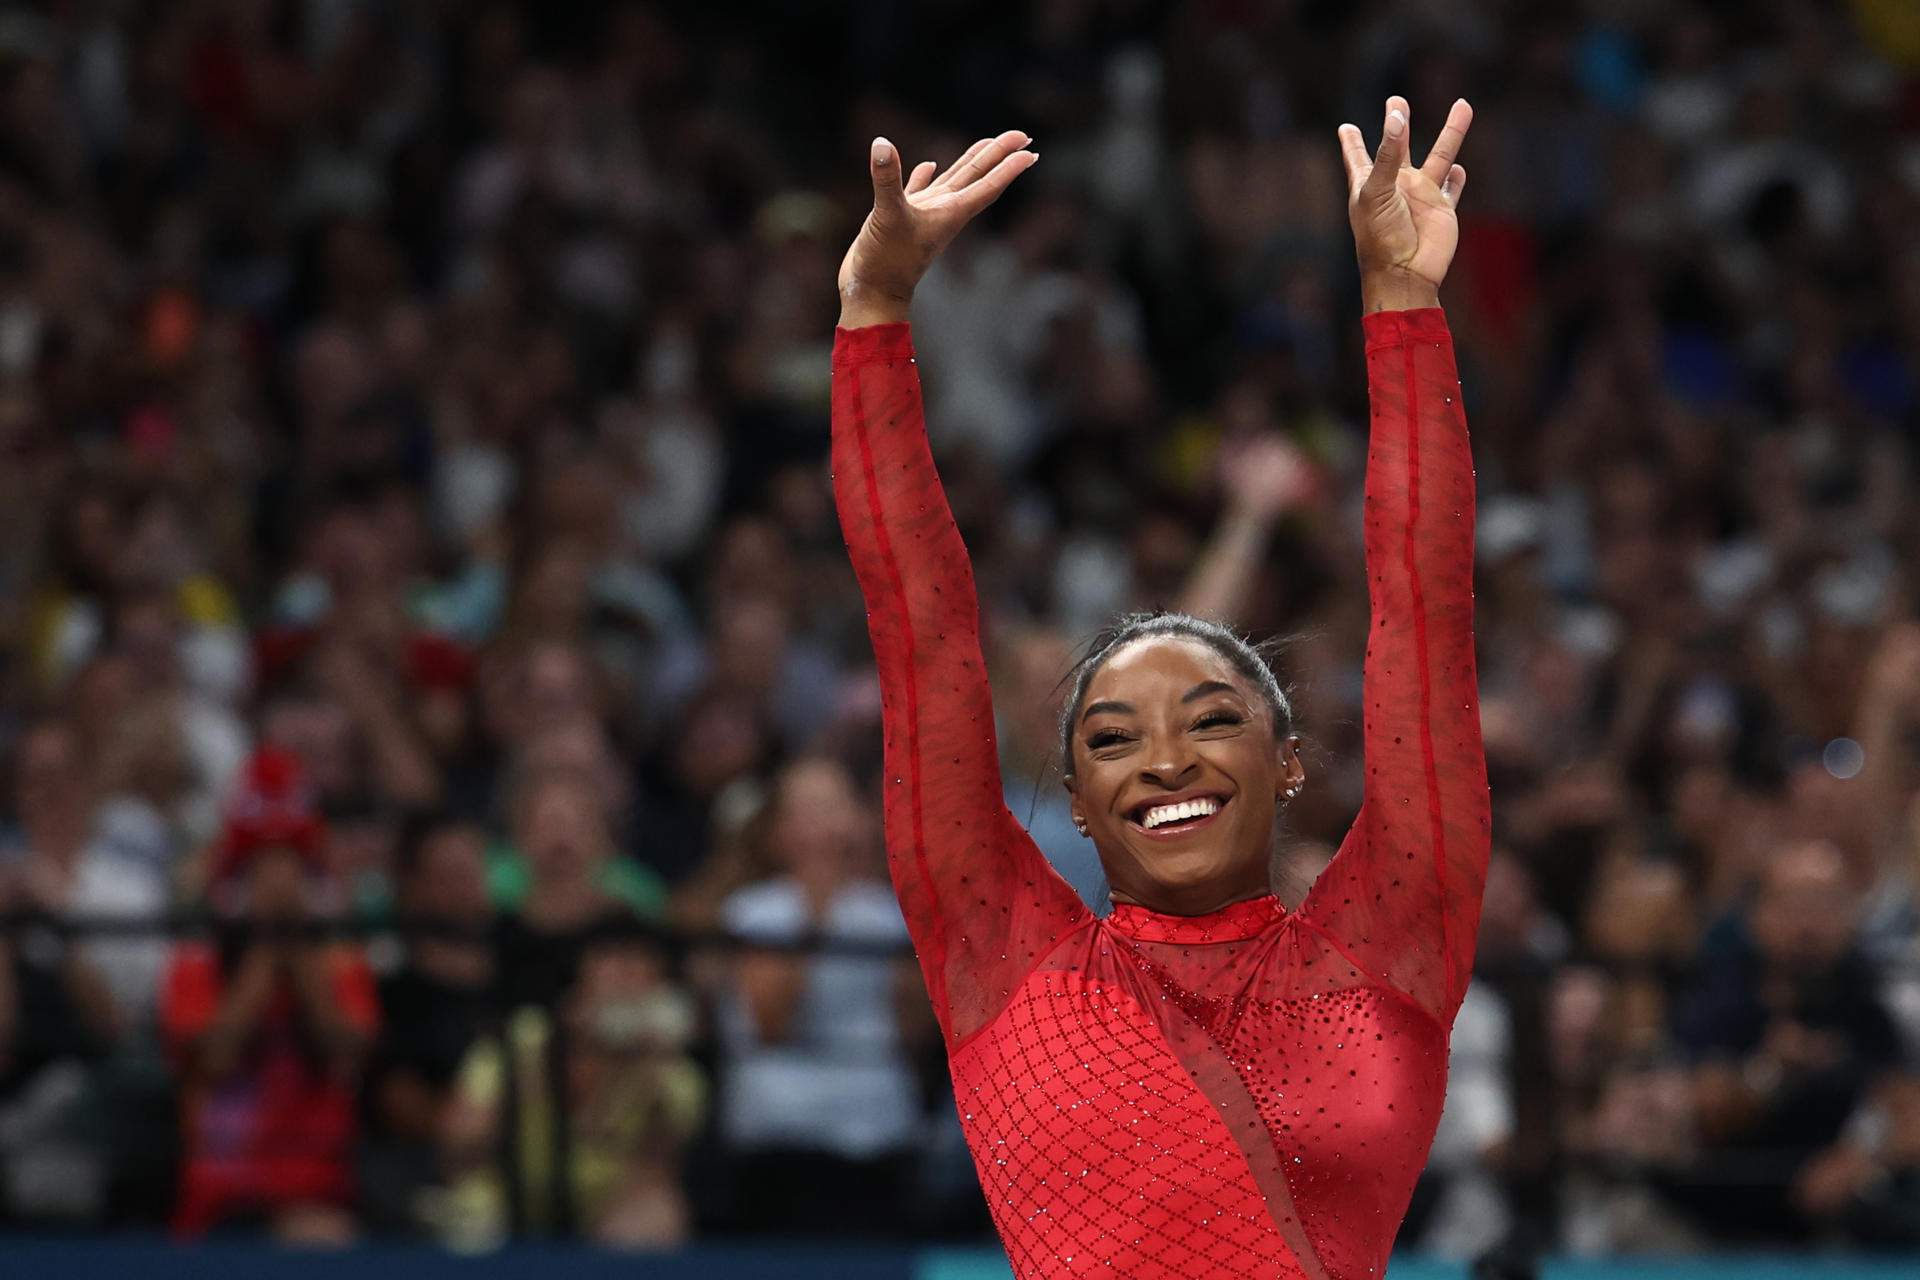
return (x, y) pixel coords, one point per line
(279, 1130)
(1249, 1093)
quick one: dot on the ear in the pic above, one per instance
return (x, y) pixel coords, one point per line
(1290, 774)
(1074, 810)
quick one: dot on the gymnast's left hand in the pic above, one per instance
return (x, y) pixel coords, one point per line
(1404, 225)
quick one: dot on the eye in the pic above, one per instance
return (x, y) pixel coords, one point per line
(1105, 738)
(1218, 719)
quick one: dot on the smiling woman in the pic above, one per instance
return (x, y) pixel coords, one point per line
(1174, 727)
(1203, 1083)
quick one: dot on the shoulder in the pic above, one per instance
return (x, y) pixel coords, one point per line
(867, 908)
(769, 907)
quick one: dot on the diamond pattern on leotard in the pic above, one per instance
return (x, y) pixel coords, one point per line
(1097, 1154)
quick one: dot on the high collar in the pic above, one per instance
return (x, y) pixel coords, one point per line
(1244, 919)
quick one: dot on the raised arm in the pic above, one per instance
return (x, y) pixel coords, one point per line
(1264, 478)
(1402, 896)
(979, 899)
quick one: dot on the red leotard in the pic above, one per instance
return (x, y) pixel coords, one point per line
(1248, 1093)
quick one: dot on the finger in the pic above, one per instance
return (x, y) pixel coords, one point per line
(1353, 154)
(1393, 150)
(1446, 147)
(922, 174)
(986, 190)
(1455, 184)
(883, 162)
(987, 159)
(945, 180)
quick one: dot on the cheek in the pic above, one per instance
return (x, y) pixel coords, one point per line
(1099, 788)
(1250, 762)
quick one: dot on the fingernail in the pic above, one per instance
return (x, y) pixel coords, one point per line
(881, 150)
(1395, 122)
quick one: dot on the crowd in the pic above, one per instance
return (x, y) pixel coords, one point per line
(418, 569)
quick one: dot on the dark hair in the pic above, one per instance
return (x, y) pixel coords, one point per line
(1248, 659)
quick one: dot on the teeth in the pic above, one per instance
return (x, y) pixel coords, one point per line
(1205, 806)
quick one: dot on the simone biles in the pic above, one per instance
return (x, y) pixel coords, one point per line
(1204, 1083)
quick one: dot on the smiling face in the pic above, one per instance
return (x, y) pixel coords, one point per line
(1177, 774)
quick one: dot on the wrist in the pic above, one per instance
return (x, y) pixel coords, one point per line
(861, 306)
(1396, 291)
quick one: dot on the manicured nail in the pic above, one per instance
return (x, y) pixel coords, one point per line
(882, 149)
(1396, 122)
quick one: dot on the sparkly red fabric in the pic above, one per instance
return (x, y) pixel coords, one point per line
(1249, 1093)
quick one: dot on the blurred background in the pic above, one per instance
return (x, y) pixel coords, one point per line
(434, 702)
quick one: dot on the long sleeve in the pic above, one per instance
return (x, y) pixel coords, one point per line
(1401, 899)
(981, 902)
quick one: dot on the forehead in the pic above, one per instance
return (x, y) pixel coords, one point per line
(1155, 666)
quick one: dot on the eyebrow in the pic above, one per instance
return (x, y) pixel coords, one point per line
(1201, 690)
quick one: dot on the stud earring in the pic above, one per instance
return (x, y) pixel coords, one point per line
(1080, 825)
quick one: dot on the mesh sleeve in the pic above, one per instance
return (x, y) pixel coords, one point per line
(1402, 897)
(980, 901)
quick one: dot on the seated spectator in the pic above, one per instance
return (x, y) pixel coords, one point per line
(432, 1009)
(615, 1064)
(818, 1101)
(269, 1026)
(573, 872)
(60, 1011)
(1789, 1040)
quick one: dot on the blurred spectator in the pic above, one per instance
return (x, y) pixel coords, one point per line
(561, 831)
(613, 1108)
(433, 1006)
(61, 1011)
(1790, 1039)
(817, 1095)
(270, 1027)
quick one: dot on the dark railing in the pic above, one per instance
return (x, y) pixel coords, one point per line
(1536, 1156)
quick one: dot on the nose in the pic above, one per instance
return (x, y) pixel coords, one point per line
(1170, 763)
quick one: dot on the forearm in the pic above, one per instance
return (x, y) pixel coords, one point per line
(402, 761)
(344, 1043)
(1880, 727)
(1222, 582)
(771, 983)
(914, 573)
(239, 1013)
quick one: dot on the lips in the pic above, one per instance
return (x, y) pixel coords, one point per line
(1165, 816)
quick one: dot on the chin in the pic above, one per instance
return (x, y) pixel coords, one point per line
(1188, 869)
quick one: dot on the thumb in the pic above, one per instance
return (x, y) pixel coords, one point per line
(884, 163)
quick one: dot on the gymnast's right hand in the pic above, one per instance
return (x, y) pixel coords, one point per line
(913, 221)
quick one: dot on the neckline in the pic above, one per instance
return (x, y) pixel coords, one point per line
(1233, 923)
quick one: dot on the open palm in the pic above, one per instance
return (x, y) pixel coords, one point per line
(1403, 217)
(913, 221)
